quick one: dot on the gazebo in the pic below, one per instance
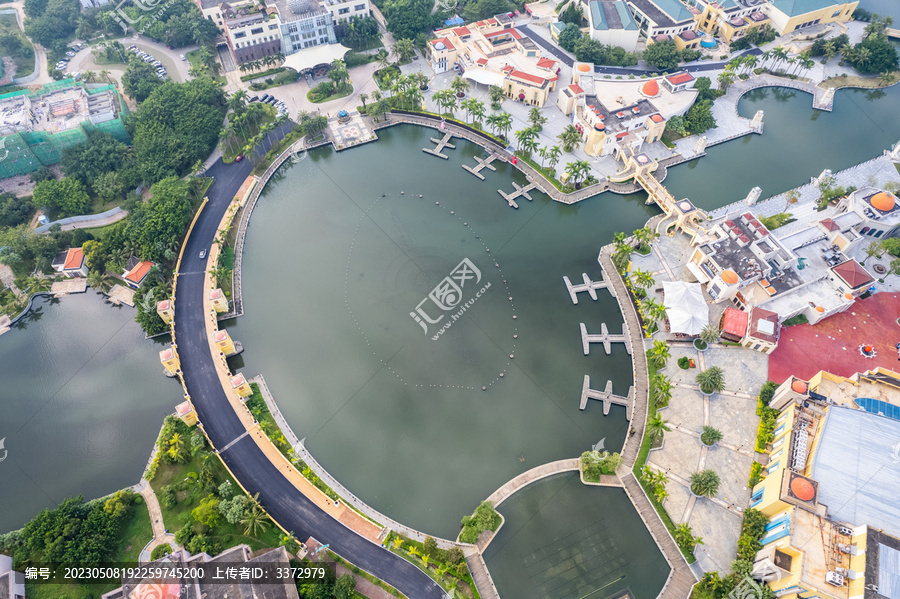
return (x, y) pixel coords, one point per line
(685, 307)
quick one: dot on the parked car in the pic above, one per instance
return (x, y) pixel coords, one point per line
(253, 99)
(156, 63)
(265, 98)
(239, 157)
(183, 57)
(70, 53)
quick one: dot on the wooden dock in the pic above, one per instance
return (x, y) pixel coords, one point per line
(482, 164)
(607, 397)
(519, 192)
(480, 574)
(590, 286)
(441, 144)
(605, 338)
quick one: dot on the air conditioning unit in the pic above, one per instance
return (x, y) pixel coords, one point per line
(844, 548)
(835, 579)
(843, 530)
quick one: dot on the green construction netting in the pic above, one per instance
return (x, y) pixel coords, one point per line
(16, 158)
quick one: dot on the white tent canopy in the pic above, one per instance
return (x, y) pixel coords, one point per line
(685, 307)
(484, 77)
(314, 56)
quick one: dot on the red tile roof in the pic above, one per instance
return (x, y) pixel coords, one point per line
(656, 118)
(527, 77)
(461, 31)
(829, 224)
(482, 61)
(651, 88)
(546, 63)
(853, 274)
(622, 134)
(138, 273)
(74, 259)
(735, 322)
(445, 41)
(757, 315)
(680, 78)
(515, 33)
(576, 89)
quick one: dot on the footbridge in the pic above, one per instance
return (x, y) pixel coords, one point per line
(589, 286)
(605, 338)
(441, 144)
(607, 398)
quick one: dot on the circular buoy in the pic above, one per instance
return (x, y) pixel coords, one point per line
(465, 224)
(402, 192)
(501, 375)
(514, 317)
(515, 336)
(437, 203)
(420, 195)
(487, 249)
(510, 299)
(452, 213)
(511, 356)
(484, 388)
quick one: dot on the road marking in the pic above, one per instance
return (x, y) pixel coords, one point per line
(224, 449)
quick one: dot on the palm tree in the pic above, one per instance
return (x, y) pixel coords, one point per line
(661, 389)
(522, 135)
(383, 58)
(553, 155)
(98, 279)
(652, 311)
(659, 354)
(459, 86)
(569, 138)
(725, 79)
(496, 95)
(863, 55)
(289, 540)
(536, 119)
(104, 74)
(467, 106)
(657, 427)
(705, 483)
(363, 97)
(504, 123)
(89, 76)
(477, 112)
(710, 436)
(711, 380)
(644, 237)
(710, 333)
(237, 101)
(685, 538)
(255, 518)
(421, 80)
(404, 50)
(641, 279)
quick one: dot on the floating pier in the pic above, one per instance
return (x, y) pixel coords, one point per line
(605, 338)
(590, 286)
(441, 144)
(607, 397)
(482, 164)
(519, 192)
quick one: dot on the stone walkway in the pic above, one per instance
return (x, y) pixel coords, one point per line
(160, 535)
(533, 475)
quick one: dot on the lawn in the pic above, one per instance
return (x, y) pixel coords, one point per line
(317, 94)
(24, 64)
(853, 81)
(194, 60)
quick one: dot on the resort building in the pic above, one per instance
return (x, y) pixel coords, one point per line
(757, 329)
(611, 24)
(208, 587)
(71, 263)
(12, 584)
(660, 20)
(493, 52)
(251, 33)
(729, 19)
(136, 271)
(36, 126)
(801, 268)
(789, 15)
(344, 10)
(829, 490)
(613, 116)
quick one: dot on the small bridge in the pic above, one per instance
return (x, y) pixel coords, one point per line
(535, 474)
(482, 164)
(607, 397)
(441, 144)
(519, 192)
(605, 338)
(590, 286)
(894, 33)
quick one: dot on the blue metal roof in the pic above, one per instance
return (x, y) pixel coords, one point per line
(876, 406)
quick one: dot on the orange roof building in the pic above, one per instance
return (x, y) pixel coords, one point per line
(71, 263)
(650, 89)
(734, 324)
(136, 274)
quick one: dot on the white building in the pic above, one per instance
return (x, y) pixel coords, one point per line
(611, 24)
(344, 10)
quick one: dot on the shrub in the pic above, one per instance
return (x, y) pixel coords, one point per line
(767, 391)
(684, 362)
(755, 474)
(159, 551)
(798, 319)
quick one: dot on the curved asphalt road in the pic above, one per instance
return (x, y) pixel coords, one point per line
(288, 506)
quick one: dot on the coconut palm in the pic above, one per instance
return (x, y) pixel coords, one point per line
(536, 119)
(504, 123)
(553, 155)
(289, 540)
(710, 333)
(652, 311)
(705, 483)
(255, 518)
(478, 112)
(711, 380)
(659, 354)
(661, 389)
(657, 427)
(459, 86)
(641, 278)
(404, 50)
(725, 79)
(496, 95)
(421, 80)
(383, 58)
(569, 138)
(685, 538)
(524, 135)
(98, 279)
(467, 106)
(644, 237)
(710, 436)
(887, 78)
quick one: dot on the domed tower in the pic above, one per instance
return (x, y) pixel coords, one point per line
(219, 301)
(298, 7)
(224, 342)
(166, 311)
(169, 359)
(241, 386)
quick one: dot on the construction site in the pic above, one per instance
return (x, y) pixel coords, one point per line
(36, 126)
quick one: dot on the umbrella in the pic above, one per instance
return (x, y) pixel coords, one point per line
(685, 307)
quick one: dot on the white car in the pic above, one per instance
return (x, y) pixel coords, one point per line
(183, 57)
(70, 53)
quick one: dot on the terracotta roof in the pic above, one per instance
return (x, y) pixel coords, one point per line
(444, 41)
(759, 315)
(680, 78)
(460, 31)
(137, 274)
(735, 322)
(515, 33)
(546, 63)
(576, 89)
(527, 77)
(74, 259)
(651, 88)
(829, 225)
(656, 118)
(853, 274)
(482, 61)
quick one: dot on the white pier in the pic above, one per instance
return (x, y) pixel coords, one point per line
(607, 397)
(519, 192)
(441, 144)
(605, 338)
(482, 164)
(590, 286)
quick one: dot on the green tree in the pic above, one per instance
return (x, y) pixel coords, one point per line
(699, 118)
(476, 10)
(140, 79)
(100, 154)
(536, 119)
(657, 427)
(685, 538)
(659, 353)
(66, 195)
(94, 254)
(569, 36)
(160, 222)
(13, 210)
(233, 509)
(705, 483)
(207, 512)
(641, 279)
(255, 519)
(710, 435)
(407, 18)
(569, 138)
(495, 93)
(404, 50)
(119, 505)
(108, 186)
(662, 55)
(344, 587)
(710, 333)
(711, 380)
(661, 389)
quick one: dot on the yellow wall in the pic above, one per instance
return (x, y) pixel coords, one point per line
(786, 24)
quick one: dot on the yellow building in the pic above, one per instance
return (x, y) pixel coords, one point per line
(169, 359)
(832, 522)
(241, 386)
(166, 311)
(219, 301)
(225, 343)
(493, 52)
(729, 19)
(186, 413)
(789, 15)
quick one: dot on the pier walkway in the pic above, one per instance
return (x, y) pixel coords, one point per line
(607, 397)
(605, 338)
(590, 286)
(519, 192)
(533, 475)
(482, 164)
(441, 144)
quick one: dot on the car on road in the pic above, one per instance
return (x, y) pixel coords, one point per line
(202, 254)
(183, 57)
(239, 157)
(70, 53)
